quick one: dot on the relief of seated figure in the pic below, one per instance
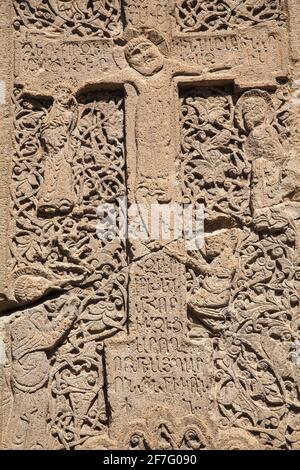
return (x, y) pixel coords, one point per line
(217, 265)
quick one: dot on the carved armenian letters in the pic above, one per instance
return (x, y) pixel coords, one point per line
(116, 331)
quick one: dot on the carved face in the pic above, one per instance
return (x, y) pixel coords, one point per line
(255, 112)
(30, 288)
(145, 58)
(39, 319)
(214, 246)
(64, 96)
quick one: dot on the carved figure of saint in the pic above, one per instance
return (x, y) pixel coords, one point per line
(31, 336)
(264, 150)
(57, 195)
(209, 304)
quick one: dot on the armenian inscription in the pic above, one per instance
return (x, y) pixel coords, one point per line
(111, 110)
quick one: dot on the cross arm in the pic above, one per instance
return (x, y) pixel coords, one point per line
(108, 80)
(196, 261)
(34, 92)
(183, 69)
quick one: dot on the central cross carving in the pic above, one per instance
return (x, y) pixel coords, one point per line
(156, 365)
(149, 77)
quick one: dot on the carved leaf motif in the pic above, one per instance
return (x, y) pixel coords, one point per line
(80, 18)
(217, 15)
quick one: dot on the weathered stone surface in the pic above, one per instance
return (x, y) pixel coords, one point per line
(111, 110)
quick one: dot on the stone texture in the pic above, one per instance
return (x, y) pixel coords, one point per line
(122, 343)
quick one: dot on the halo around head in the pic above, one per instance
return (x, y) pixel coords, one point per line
(246, 97)
(136, 36)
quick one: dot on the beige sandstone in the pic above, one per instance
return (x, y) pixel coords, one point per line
(147, 344)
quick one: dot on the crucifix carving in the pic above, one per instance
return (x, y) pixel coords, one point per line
(150, 74)
(149, 71)
(145, 98)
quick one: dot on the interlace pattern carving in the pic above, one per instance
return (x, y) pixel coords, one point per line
(243, 290)
(147, 344)
(218, 15)
(101, 18)
(214, 169)
(68, 153)
(79, 158)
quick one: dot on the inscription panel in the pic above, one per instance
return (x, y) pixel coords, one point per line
(249, 55)
(151, 15)
(158, 364)
(41, 58)
(111, 341)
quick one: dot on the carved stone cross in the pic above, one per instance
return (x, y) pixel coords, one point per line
(149, 77)
(120, 93)
(156, 363)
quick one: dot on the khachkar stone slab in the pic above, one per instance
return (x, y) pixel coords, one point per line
(113, 113)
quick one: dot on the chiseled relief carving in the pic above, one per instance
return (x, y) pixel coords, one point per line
(101, 18)
(243, 287)
(113, 342)
(69, 152)
(232, 154)
(194, 16)
(214, 168)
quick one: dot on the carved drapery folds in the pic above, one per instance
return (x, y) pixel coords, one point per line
(146, 344)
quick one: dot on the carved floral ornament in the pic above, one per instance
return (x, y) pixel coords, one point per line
(115, 342)
(218, 15)
(79, 17)
(103, 18)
